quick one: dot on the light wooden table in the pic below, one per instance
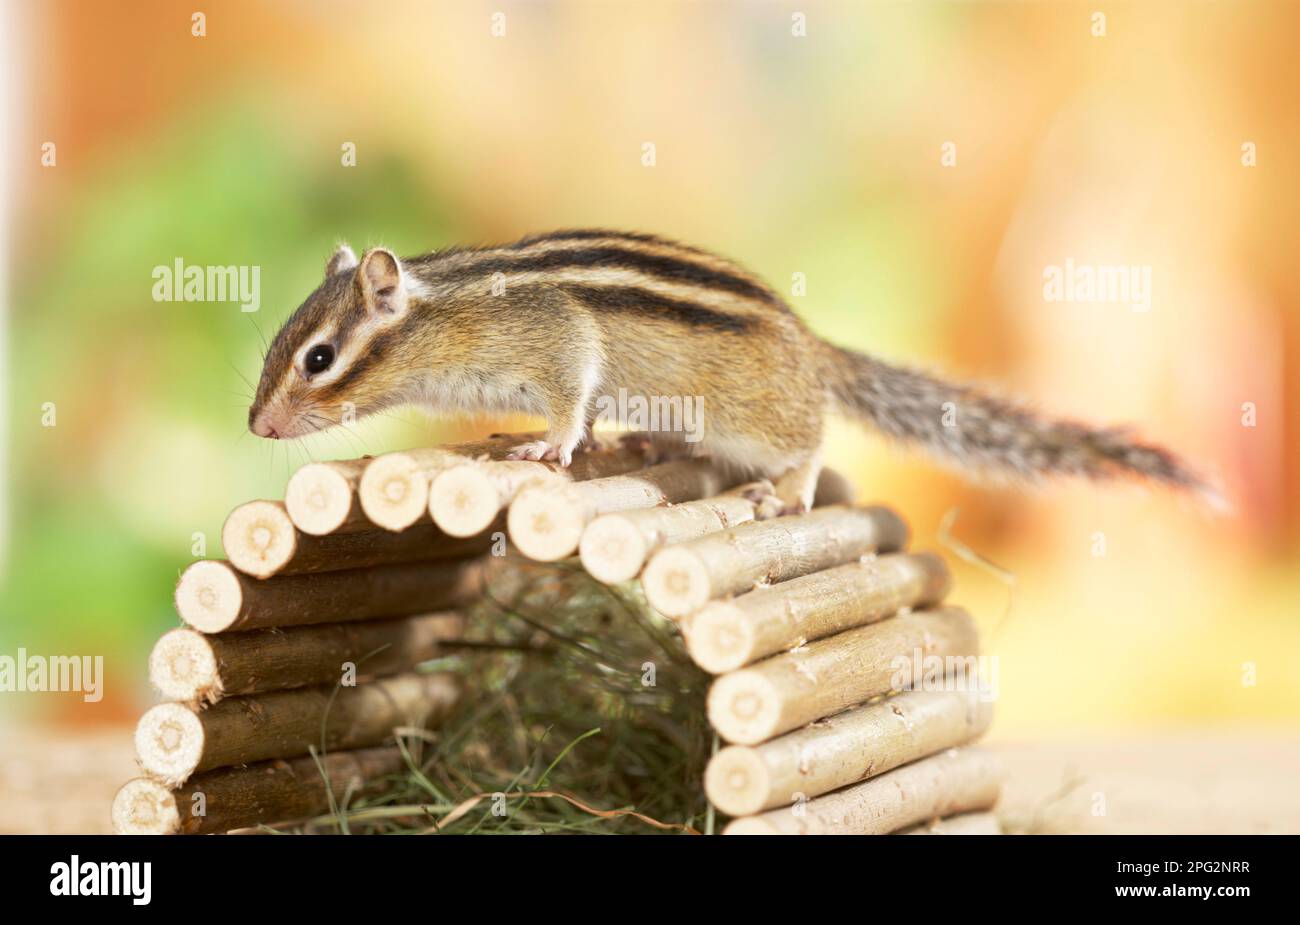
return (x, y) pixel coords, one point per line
(1218, 782)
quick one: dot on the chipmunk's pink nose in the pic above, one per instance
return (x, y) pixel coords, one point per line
(262, 427)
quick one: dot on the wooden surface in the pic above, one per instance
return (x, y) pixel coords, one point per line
(63, 781)
(1215, 782)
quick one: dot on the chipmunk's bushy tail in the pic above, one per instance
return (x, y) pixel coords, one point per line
(983, 434)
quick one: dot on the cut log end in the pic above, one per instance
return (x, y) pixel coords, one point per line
(546, 524)
(169, 743)
(612, 549)
(676, 582)
(737, 781)
(183, 667)
(209, 596)
(319, 499)
(744, 707)
(394, 491)
(145, 807)
(259, 538)
(719, 638)
(464, 501)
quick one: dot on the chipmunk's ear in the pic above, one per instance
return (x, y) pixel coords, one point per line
(380, 279)
(342, 259)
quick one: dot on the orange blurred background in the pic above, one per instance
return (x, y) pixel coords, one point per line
(820, 154)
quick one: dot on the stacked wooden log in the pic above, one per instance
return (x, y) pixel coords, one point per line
(296, 664)
(805, 619)
(802, 618)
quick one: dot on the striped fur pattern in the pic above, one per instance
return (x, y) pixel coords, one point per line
(548, 324)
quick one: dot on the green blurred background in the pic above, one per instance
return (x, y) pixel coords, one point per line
(818, 155)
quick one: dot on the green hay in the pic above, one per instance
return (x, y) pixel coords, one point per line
(571, 689)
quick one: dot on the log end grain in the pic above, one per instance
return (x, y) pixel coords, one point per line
(169, 741)
(394, 491)
(259, 538)
(183, 667)
(737, 781)
(745, 707)
(319, 499)
(145, 807)
(464, 500)
(676, 582)
(719, 639)
(612, 549)
(209, 596)
(546, 524)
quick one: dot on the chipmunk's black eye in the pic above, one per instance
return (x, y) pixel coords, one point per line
(318, 359)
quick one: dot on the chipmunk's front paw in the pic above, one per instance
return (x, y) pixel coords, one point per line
(537, 450)
(542, 451)
(763, 496)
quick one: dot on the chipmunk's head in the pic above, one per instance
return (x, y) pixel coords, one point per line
(335, 358)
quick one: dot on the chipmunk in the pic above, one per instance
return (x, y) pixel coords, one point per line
(549, 323)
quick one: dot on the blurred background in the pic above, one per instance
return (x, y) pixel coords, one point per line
(920, 164)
